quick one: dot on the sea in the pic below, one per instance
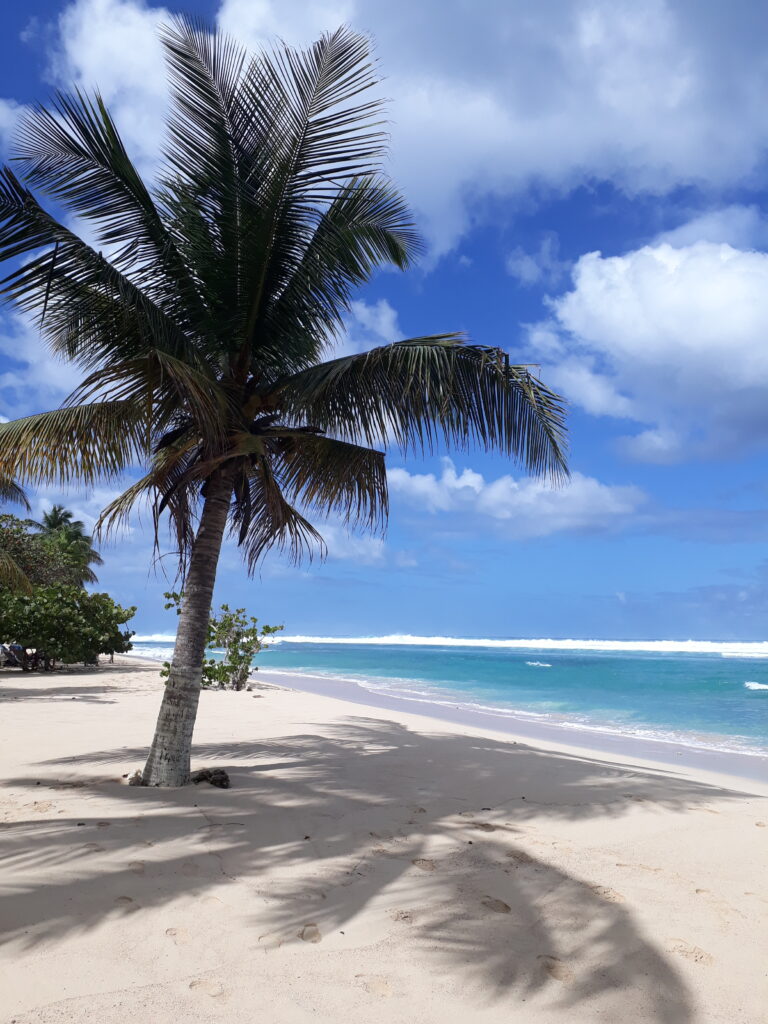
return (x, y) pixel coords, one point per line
(701, 694)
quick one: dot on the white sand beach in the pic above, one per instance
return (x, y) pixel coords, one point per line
(366, 865)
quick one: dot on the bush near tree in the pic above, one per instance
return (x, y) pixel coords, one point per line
(64, 624)
(238, 635)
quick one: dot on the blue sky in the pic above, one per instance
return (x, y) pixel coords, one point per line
(590, 181)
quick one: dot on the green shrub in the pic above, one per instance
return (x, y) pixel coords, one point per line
(240, 637)
(64, 624)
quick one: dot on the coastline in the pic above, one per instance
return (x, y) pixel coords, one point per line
(599, 741)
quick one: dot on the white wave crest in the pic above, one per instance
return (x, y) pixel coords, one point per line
(756, 686)
(538, 664)
(724, 648)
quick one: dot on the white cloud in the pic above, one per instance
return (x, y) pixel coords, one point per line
(494, 98)
(256, 22)
(673, 338)
(343, 546)
(10, 112)
(743, 227)
(369, 324)
(378, 319)
(522, 507)
(113, 45)
(542, 266)
(33, 380)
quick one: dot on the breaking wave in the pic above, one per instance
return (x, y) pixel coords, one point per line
(732, 649)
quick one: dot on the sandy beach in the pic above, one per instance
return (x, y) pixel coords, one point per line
(366, 865)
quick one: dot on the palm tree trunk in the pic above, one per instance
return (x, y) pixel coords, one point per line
(168, 761)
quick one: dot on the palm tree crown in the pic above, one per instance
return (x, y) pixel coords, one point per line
(68, 534)
(203, 312)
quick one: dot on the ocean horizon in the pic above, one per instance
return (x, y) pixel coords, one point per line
(693, 693)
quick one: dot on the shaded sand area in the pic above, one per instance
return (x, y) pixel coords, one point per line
(366, 865)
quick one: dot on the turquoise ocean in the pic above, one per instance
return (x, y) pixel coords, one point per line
(699, 694)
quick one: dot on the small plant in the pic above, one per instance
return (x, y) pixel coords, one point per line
(240, 637)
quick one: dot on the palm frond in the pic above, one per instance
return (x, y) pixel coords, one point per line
(324, 475)
(12, 576)
(87, 308)
(73, 153)
(367, 225)
(262, 518)
(12, 492)
(414, 392)
(87, 443)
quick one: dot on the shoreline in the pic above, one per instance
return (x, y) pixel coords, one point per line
(748, 766)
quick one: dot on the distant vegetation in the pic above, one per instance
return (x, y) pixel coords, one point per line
(44, 611)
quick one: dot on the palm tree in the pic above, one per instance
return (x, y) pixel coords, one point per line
(68, 534)
(202, 318)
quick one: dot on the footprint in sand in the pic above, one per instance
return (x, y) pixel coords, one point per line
(136, 866)
(555, 968)
(760, 824)
(405, 916)
(189, 868)
(605, 893)
(418, 810)
(694, 953)
(424, 863)
(180, 936)
(497, 906)
(103, 824)
(41, 806)
(126, 902)
(375, 984)
(310, 933)
(210, 986)
(270, 941)
(484, 826)
(467, 814)
(93, 848)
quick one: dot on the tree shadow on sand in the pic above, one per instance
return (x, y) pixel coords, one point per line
(469, 882)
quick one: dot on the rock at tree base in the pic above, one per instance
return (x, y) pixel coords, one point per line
(216, 777)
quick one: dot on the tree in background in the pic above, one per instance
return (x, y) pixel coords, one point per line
(68, 535)
(12, 574)
(37, 561)
(202, 316)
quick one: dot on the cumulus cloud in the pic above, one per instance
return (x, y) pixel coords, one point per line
(671, 337)
(522, 507)
(553, 94)
(113, 45)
